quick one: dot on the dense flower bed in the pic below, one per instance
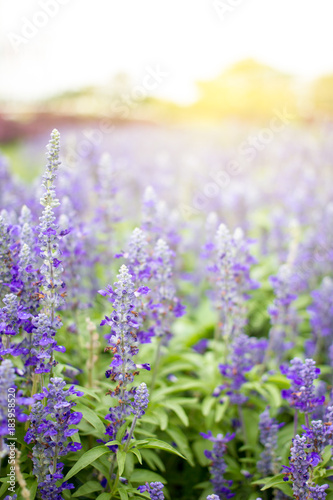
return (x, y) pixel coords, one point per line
(161, 342)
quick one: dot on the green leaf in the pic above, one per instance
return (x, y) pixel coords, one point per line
(162, 418)
(123, 493)
(113, 443)
(273, 481)
(221, 409)
(275, 395)
(91, 417)
(137, 453)
(103, 496)
(121, 459)
(263, 480)
(138, 443)
(142, 475)
(161, 445)
(153, 460)
(327, 455)
(181, 441)
(121, 431)
(178, 410)
(285, 488)
(207, 405)
(86, 459)
(88, 487)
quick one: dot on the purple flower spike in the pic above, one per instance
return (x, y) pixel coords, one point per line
(301, 394)
(221, 486)
(154, 489)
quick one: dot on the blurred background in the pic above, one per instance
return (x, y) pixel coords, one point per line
(93, 68)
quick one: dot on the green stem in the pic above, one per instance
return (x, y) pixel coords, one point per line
(55, 459)
(241, 418)
(307, 420)
(130, 434)
(156, 365)
(295, 422)
(115, 484)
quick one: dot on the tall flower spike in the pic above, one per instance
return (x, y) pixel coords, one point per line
(302, 461)
(7, 378)
(47, 322)
(141, 400)
(124, 345)
(268, 463)
(221, 486)
(301, 394)
(165, 305)
(49, 432)
(5, 256)
(245, 353)
(321, 317)
(284, 317)
(49, 239)
(230, 275)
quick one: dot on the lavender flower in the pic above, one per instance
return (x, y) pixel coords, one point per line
(221, 486)
(230, 274)
(164, 304)
(213, 497)
(154, 489)
(284, 317)
(5, 256)
(302, 461)
(12, 317)
(141, 400)
(124, 345)
(245, 352)
(49, 432)
(49, 239)
(301, 394)
(46, 323)
(321, 314)
(7, 378)
(268, 427)
(139, 267)
(44, 343)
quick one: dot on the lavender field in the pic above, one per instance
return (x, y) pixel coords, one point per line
(167, 315)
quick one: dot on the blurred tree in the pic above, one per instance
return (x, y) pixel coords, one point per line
(321, 95)
(247, 89)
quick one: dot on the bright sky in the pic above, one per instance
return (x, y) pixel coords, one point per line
(86, 42)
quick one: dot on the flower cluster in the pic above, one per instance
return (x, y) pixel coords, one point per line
(321, 317)
(164, 304)
(51, 268)
(268, 428)
(284, 317)
(245, 353)
(301, 394)
(50, 428)
(153, 489)
(5, 256)
(221, 486)
(46, 322)
(230, 274)
(7, 378)
(124, 345)
(303, 458)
